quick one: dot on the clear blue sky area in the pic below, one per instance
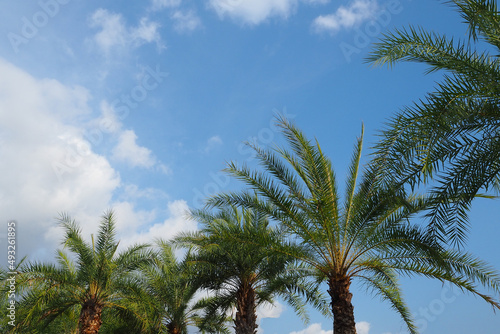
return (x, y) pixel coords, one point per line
(138, 105)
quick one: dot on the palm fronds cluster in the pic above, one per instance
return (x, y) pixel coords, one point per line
(451, 136)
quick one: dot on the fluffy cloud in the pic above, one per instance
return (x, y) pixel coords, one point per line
(362, 327)
(267, 310)
(253, 12)
(145, 32)
(175, 223)
(47, 164)
(185, 22)
(346, 17)
(212, 143)
(115, 33)
(313, 2)
(160, 4)
(126, 149)
(108, 122)
(129, 152)
(48, 167)
(313, 329)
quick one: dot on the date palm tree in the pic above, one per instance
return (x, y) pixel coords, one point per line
(366, 237)
(451, 136)
(242, 275)
(95, 281)
(165, 295)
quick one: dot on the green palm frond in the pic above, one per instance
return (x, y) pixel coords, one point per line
(483, 19)
(451, 136)
(439, 52)
(106, 243)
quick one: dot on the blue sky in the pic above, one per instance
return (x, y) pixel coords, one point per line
(138, 105)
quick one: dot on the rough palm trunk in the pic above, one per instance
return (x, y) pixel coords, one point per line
(342, 308)
(90, 317)
(246, 318)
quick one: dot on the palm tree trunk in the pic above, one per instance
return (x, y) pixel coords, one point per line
(90, 317)
(172, 328)
(342, 308)
(246, 318)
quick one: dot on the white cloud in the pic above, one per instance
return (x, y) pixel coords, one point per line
(126, 150)
(313, 2)
(49, 167)
(129, 152)
(212, 143)
(160, 4)
(313, 329)
(176, 223)
(47, 164)
(346, 17)
(253, 12)
(163, 169)
(108, 122)
(268, 310)
(114, 32)
(362, 327)
(145, 32)
(186, 22)
(133, 192)
(129, 219)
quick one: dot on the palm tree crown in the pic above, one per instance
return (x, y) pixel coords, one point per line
(231, 262)
(452, 135)
(165, 292)
(95, 282)
(366, 237)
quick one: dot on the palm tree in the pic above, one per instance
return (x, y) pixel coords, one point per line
(230, 262)
(165, 293)
(452, 135)
(367, 237)
(95, 282)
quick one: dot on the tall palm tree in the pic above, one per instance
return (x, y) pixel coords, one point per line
(242, 274)
(367, 237)
(165, 294)
(95, 282)
(452, 135)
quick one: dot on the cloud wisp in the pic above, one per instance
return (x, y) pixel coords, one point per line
(115, 34)
(345, 18)
(362, 327)
(253, 12)
(186, 21)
